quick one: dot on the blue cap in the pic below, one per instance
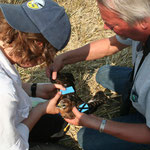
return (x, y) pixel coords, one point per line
(40, 16)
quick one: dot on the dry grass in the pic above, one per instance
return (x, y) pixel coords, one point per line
(87, 26)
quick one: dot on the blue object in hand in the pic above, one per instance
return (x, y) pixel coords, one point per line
(67, 91)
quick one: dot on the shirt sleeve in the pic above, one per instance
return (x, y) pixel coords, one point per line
(124, 41)
(14, 135)
(22, 142)
(24, 134)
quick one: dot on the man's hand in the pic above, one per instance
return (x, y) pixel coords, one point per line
(55, 67)
(82, 119)
(78, 118)
(47, 90)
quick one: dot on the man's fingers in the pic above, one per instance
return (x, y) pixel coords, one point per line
(75, 111)
(54, 75)
(51, 72)
(47, 72)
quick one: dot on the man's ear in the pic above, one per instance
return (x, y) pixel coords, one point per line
(144, 24)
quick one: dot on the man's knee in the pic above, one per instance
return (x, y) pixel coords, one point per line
(89, 139)
(103, 74)
(80, 137)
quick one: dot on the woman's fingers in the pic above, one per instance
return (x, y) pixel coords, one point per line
(59, 86)
(56, 98)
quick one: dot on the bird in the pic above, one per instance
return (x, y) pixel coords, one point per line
(65, 106)
(68, 101)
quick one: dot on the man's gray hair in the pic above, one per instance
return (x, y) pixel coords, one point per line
(129, 10)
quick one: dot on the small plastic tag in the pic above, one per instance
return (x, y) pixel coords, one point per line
(83, 107)
(67, 91)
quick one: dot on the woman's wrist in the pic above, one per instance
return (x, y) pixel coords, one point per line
(41, 107)
(33, 89)
(35, 114)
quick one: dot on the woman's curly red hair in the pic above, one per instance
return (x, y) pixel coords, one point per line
(26, 45)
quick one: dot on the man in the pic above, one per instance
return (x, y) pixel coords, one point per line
(130, 20)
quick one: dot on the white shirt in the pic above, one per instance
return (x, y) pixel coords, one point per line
(15, 105)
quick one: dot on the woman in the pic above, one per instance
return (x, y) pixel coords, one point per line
(30, 34)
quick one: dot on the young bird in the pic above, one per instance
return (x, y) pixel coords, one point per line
(65, 107)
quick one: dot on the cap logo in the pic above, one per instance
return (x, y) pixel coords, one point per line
(36, 4)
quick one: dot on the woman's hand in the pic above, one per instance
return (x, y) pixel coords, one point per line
(47, 90)
(50, 105)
